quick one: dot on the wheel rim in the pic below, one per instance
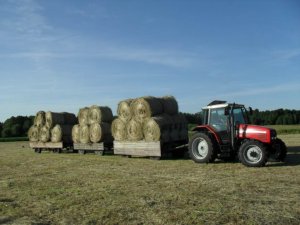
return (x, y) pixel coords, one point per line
(253, 154)
(200, 148)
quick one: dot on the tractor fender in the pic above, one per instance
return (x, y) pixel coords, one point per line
(207, 129)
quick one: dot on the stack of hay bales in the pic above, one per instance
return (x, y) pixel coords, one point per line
(94, 125)
(52, 127)
(149, 119)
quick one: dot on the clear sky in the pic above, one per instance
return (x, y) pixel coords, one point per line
(61, 55)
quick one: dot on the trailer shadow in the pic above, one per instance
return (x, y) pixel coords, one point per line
(292, 158)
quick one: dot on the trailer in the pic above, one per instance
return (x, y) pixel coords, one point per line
(152, 150)
(101, 148)
(58, 147)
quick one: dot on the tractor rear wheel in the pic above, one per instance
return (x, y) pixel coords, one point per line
(253, 154)
(202, 148)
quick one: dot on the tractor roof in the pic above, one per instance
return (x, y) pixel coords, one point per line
(221, 104)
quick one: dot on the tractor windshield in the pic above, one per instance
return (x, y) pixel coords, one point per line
(218, 119)
(240, 115)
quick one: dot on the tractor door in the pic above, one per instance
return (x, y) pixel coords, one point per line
(219, 121)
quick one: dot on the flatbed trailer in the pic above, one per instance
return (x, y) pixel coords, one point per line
(58, 147)
(152, 150)
(101, 148)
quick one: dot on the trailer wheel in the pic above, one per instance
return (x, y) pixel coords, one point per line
(253, 154)
(99, 152)
(202, 148)
(81, 152)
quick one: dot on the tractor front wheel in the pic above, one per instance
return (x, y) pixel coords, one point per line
(202, 148)
(253, 154)
(280, 150)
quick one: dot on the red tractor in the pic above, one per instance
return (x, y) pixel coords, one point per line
(226, 133)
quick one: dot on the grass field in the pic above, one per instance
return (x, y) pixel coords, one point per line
(69, 188)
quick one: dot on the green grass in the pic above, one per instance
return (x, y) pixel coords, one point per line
(68, 188)
(286, 129)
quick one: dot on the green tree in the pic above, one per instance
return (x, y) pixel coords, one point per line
(26, 125)
(16, 130)
(6, 132)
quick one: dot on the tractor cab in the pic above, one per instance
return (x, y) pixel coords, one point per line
(224, 117)
(226, 133)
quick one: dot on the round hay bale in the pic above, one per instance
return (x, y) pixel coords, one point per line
(39, 119)
(170, 105)
(33, 133)
(100, 132)
(53, 118)
(84, 134)
(83, 116)
(157, 128)
(98, 114)
(61, 133)
(44, 134)
(146, 107)
(180, 127)
(124, 110)
(118, 129)
(70, 118)
(134, 130)
(75, 133)
(179, 121)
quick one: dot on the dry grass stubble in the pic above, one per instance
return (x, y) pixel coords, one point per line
(52, 188)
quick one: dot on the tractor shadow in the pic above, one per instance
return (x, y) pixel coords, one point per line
(292, 158)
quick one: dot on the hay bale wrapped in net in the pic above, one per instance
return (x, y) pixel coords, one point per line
(70, 118)
(170, 105)
(83, 116)
(84, 134)
(134, 130)
(124, 110)
(40, 119)
(100, 132)
(180, 129)
(75, 133)
(44, 134)
(53, 118)
(34, 133)
(118, 129)
(158, 128)
(61, 133)
(146, 107)
(98, 114)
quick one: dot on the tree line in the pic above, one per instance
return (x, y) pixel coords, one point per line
(18, 126)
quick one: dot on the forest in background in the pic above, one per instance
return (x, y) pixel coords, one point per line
(19, 125)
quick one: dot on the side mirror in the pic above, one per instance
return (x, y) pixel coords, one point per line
(250, 111)
(226, 111)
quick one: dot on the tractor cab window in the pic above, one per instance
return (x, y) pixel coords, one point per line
(239, 115)
(218, 119)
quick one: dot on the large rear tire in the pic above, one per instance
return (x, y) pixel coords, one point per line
(253, 154)
(202, 148)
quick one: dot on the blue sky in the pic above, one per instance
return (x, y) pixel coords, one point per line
(62, 55)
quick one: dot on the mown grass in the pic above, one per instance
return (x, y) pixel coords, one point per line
(68, 188)
(286, 129)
